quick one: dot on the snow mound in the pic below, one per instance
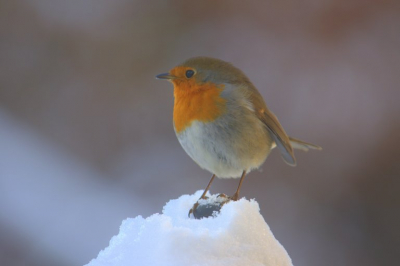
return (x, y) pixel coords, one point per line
(238, 235)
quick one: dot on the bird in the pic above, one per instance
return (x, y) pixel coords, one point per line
(222, 122)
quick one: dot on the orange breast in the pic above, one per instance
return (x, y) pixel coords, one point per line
(197, 103)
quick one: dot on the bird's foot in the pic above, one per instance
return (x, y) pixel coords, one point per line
(206, 207)
(222, 195)
(235, 197)
(193, 209)
(227, 199)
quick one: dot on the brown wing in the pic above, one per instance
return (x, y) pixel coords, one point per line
(279, 135)
(277, 132)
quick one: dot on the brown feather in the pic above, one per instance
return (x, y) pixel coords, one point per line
(274, 127)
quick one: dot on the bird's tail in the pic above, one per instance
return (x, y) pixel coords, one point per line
(302, 145)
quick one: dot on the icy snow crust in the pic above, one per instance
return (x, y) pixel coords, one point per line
(236, 236)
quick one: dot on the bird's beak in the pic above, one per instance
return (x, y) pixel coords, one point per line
(165, 76)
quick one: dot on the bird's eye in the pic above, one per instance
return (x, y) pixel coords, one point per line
(189, 73)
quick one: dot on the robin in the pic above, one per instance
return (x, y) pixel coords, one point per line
(222, 121)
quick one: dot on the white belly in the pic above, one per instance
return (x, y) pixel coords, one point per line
(224, 150)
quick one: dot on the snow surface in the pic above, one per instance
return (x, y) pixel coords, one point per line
(237, 236)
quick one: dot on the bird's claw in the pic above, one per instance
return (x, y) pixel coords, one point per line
(203, 209)
(235, 197)
(227, 199)
(193, 208)
(222, 195)
(196, 205)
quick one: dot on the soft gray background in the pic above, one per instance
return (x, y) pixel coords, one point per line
(86, 136)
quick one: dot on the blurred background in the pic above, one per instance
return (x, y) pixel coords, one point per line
(86, 135)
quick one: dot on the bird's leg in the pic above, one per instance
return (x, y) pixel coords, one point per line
(203, 196)
(235, 196)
